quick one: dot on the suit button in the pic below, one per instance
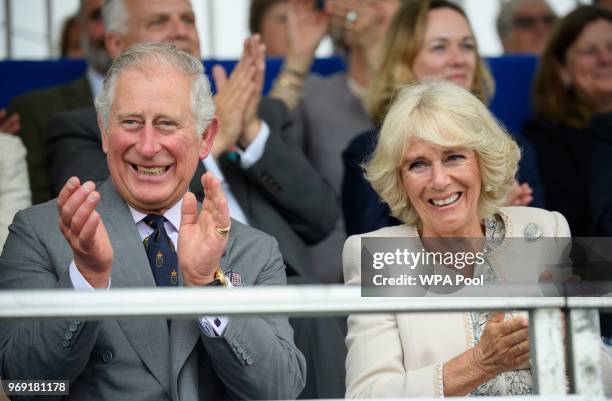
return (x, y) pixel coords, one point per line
(66, 343)
(240, 349)
(107, 356)
(68, 335)
(235, 342)
(249, 361)
(245, 356)
(73, 327)
(77, 322)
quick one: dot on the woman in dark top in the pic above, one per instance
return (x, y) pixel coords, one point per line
(573, 103)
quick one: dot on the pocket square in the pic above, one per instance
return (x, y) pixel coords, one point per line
(234, 278)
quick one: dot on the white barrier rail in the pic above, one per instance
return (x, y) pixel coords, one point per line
(545, 316)
(280, 300)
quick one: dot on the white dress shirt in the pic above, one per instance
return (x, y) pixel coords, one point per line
(95, 80)
(248, 157)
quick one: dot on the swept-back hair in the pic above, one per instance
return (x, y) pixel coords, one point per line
(143, 56)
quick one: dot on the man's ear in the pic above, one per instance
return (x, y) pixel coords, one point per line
(103, 135)
(113, 43)
(208, 137)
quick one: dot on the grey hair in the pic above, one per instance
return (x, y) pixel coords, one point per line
(506, 15)
(115, 16)
(142, 56)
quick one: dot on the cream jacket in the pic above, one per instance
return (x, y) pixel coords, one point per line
(14, 184)
(401, 355)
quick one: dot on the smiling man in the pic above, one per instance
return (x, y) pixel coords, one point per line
(267, 180)
(142, 228)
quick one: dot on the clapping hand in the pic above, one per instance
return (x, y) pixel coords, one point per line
(360, 21)
(255, 50)
(306, 26)
(84, 230)
(503, 346)
(519, 195)
(232, 100)
(203, 237)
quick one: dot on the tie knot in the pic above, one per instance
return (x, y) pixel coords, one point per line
(154, 221)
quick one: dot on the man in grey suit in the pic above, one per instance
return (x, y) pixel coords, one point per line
(269, 183)
(157, 119)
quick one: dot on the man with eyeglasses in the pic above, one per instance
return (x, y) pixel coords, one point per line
(524, 25)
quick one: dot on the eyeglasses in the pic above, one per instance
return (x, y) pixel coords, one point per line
(531, 22)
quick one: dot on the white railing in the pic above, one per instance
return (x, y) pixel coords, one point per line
(547, 336)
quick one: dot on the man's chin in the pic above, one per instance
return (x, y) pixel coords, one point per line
(152, 199)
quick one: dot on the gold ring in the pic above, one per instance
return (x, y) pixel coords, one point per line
(223, 231)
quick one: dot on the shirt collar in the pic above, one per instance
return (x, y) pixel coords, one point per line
(211, 165)
(172, 215)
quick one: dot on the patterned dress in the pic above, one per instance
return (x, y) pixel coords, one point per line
(515, 382)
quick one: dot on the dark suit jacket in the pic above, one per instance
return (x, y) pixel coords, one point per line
(135, 359)
(281, 195)
(601, 174)
(36, 109)
(564, 157)
(600, 188)
(364, 211)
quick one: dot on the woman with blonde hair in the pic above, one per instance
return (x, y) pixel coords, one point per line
(444, 166)
(425, 39)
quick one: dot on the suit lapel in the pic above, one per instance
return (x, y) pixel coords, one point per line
(149, 337)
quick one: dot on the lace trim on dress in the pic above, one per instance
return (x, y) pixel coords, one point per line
(516, 382)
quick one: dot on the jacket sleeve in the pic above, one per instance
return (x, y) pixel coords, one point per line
(375, 360)
(256, 357)
(288, 180)
(529, 171)
(601, 175)
(35, 348)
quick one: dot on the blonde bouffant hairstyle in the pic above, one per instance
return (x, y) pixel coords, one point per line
(401, 45)
(446, 115)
